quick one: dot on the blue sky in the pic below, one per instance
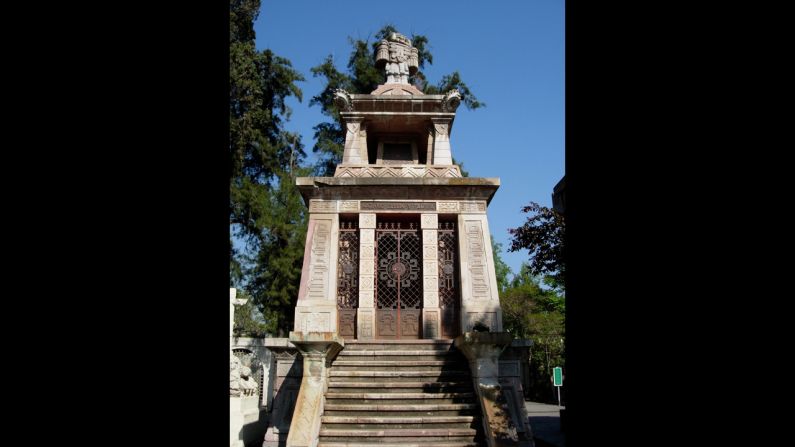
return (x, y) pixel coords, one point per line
(509, 53)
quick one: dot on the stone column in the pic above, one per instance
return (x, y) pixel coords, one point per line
(504, 421)
(365, 315)
(243, 409)
(316, 309)
(442, 154)
(480, 300)
(233, 301)
(318, 350)
(355, 151)
(285, 384)
(430, 276)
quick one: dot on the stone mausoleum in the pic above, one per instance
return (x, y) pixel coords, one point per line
(398, 320)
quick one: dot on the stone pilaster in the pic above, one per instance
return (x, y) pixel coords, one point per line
(442, 154)
(365, 316)
(355, 151)
(284, 384)
(504, 418)
(480, 300)
(430, 276)
(318, 350)
(316, 309)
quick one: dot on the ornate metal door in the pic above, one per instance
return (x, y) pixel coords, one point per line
(449, 301)
(348, 279)
(399, 281)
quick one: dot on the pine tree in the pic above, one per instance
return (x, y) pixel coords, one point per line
(265, 208)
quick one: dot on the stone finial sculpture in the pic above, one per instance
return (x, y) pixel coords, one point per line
(398, 58)
(343, 100)
(234, 376)
(241, 379)
(248, 386)
(451, 100)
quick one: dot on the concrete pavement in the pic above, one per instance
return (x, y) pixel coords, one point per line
(545, 423)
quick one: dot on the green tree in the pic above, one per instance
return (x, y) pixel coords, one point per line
(265, 208)
(363, 77)
(532, 312)
(501, 269)
(542, 235)
(249, 321)
(461, 166)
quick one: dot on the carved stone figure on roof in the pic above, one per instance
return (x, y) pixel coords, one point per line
(398, 58)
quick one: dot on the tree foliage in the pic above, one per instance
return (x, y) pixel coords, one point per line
(248, 319)
(542, 235)
(363, 77)
(265, 208)
(501, 269)
(529, 311)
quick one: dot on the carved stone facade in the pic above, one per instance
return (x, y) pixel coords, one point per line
(423, 206)
(316, 310)
(366, 311)
(285, 374)
(430, 308)
(398, 58)
(480, 300)
(398, 171)
(398, 244)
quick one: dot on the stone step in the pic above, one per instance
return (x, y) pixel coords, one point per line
(391, 407)
(400, 444)
(395, 363)
(428, 369)
(400, 345)
(391, 352)
(398, 432)
(394, 384)
(400, 393)
(374, 396)
(421, 341)
(470, 425)
(436, 374)
(369, 389)
(406, 413)
(424, 441)
(396, 419)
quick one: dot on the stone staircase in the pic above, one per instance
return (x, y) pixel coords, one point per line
(400, 393)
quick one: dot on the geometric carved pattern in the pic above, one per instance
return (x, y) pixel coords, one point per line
(477, 260)
(317, 206)
(430, 221)
(447, 206)
(349, 205)
(319, 261)
(366, 220)
(398, 171)
(398, 286)
(316, 321)
(473, 206)
(365, 322)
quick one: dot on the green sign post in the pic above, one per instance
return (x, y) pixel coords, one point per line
(557, 375)
(557, 379)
